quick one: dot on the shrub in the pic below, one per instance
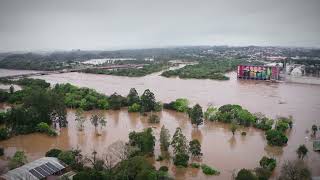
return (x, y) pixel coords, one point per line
(276, 138)
(268, 163)
(45, 128)
(181, 159)
(134, 108)
(18, 159)
(67, 157)
(153, 119)
(209, 170)
(262, 173)
(243, 133)
(195, 165)
(164, 168)
(211, 113)
(4, 133)
(53, 153)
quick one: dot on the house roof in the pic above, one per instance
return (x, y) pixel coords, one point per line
(38, 169)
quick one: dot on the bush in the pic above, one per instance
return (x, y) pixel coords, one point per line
(243, 133)
(208, 170)
(245, 174)
(3, 116)
(164, 168)
(18, 159)
(45, 128)
(211, 113)
(67, 157)
(154, 119)
(276, 138)
(1, 151)
(53, 153)
(4, 133)
(268, 163)
(195, 165)
(134, 108)
(262, 173)
(181, 159)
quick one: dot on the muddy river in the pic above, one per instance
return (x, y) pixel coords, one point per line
(220, 149)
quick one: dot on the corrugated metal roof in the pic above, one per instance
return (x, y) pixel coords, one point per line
(35, 170)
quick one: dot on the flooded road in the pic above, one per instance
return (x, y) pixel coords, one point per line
(220, 149)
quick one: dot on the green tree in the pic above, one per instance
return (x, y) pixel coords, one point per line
(195, 148)
(302, 151)
(164, 138)
(314, 129)
(18, 159)
(133, 97)
(211, 113)
(268, 163)
(80, 119)
(144, 140)
(67, 157)
(181, 105)
(181, 159)
(276, 138)
(134, 108)
(53, 153)
(148, 101)
(196, 115)
(179, 142)
(245, 174)
(116, 101)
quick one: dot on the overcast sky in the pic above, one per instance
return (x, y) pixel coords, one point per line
(117, 24)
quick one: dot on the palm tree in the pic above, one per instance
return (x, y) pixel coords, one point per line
(302, 151)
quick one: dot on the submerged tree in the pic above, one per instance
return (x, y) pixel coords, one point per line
(98, 120)
(148, 101)
(164, 138)
(11, 89)
(19, 158)
(314, 129)
(196, 115)
(292, 170)
(233, 128)
(133, 97)
(80, 119)
(195, 148)
(180, 148)
(302, 151)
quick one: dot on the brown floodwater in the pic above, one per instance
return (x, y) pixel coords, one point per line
(220, 149)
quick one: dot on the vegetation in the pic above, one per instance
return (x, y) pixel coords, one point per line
(164, 138)
(196, 115)
(67, 157)
(276, 138)
(80, 119)
(233, 128)
(18, 159)
(131, 72)
(53, 153)
(195, 165)
(283, 124)
(134, 108)
(4, 133)
(97, 120)
(205, 70)
(314, 129)
(268, 163)
(207, 170)
(195, 148)
(245, 174)
(295, 170)
(148, 102)
(144, 140)
(180, 148)
(45, 128)
(302, 151)
(180, 105)
(164, 168)
(133, 97)
(211, 113)
(153, 118)
(262, 122)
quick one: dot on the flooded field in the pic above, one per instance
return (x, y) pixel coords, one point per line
(220, 149)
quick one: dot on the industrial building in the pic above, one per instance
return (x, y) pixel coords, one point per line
(258, 72)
